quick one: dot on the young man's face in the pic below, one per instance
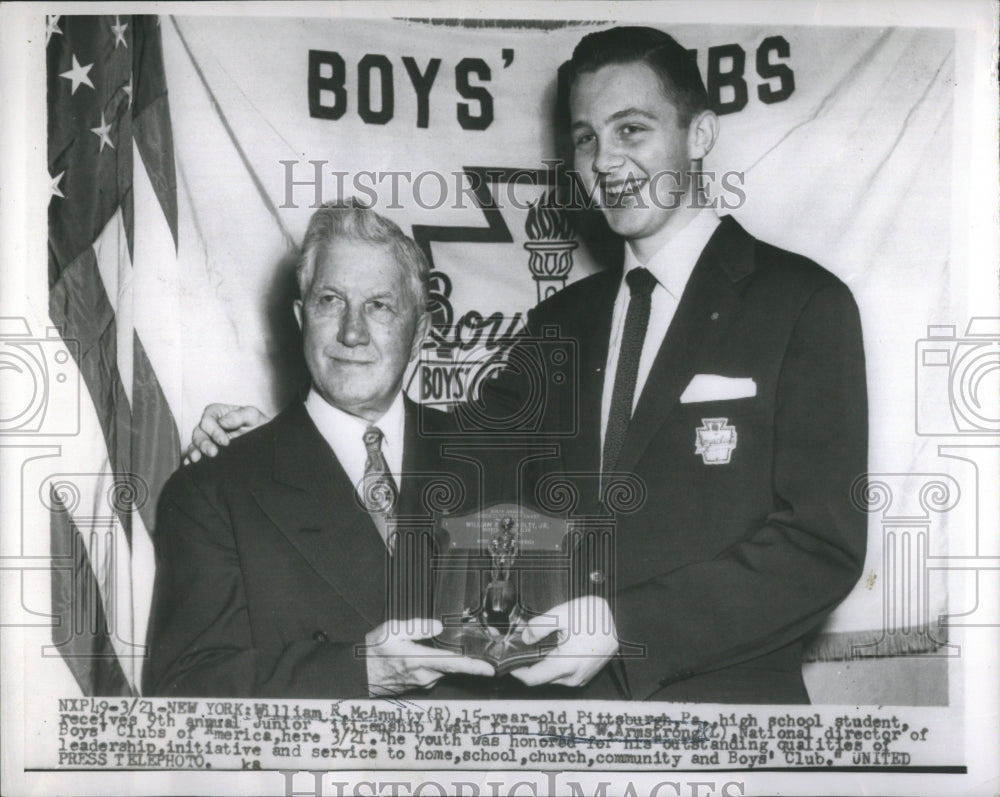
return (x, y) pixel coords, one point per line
(361, 325)
(631, 149)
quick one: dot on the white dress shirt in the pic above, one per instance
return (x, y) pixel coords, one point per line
(343, 432)
(672, 266)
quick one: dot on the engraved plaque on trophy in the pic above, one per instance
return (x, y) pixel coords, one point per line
(495, 571)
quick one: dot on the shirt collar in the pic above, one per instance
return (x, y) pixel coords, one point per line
(673, 262)
(338, 426)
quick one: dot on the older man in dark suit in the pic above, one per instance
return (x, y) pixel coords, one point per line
(292, 565)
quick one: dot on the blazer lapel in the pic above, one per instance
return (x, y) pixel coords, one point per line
(706, 308)
(582, 452)
(315, 506)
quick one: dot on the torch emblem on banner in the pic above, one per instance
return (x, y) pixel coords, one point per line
(551, 245)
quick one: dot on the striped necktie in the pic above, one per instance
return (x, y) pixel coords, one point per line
(379, 491)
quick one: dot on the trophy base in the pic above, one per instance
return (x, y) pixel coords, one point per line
(505, 652)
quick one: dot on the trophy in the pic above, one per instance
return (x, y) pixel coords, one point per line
(496, 570)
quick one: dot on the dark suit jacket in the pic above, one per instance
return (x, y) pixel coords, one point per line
(724, 569)
(270, 572)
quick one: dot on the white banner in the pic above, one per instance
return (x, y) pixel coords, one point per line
(835, 143)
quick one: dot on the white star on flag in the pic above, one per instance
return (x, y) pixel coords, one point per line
(51, 26)
(102, 131)
(119, 30)
(54, 185)
(78, 75)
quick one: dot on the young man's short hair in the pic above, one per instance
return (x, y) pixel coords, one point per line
(676, 67)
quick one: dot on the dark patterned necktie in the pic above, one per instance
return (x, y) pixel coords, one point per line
(379, 491)
(641, 283)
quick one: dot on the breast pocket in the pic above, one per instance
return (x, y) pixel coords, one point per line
(721, 466)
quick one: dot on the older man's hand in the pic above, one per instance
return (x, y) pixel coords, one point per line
(587, 640)
(398, 663)
(219, 424)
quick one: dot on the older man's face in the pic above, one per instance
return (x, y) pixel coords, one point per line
(361, 325)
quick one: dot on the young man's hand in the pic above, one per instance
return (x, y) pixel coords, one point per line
(219, 424)
(587, 640)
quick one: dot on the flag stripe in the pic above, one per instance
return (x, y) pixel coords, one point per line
(79, 307)
(151, 116)
(81, 635)
(155, 443)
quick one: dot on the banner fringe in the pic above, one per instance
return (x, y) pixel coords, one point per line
(851, 645)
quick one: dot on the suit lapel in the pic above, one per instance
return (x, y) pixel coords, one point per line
(706, 308)
(593, 325)
(315, 506)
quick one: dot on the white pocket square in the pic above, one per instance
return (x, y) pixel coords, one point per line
(711, 387)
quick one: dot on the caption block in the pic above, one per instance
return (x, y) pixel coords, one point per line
(139, 733)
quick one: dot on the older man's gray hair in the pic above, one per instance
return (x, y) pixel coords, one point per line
(356, 221)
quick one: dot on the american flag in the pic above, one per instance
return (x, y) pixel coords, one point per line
(112, 253)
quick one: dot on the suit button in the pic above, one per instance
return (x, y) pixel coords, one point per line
(320, 636)
(597, 577)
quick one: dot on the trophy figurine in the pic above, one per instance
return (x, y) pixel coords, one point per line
(500, 613)
(500, 599)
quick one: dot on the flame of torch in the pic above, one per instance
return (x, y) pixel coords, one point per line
(546, 221)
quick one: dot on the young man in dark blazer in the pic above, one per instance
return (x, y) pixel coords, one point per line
(725, 375)
(293, 565)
